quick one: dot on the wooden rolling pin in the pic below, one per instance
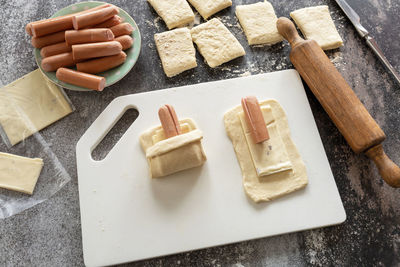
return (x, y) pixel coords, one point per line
(340, 102)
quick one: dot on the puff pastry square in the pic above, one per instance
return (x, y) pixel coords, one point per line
(216, 43)
(259, 23)
(174, 13)
(276, 183)
(207, 8)
(316, 23)
(178, 153)
(176, 51)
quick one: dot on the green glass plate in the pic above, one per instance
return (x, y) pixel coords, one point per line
(112, 76)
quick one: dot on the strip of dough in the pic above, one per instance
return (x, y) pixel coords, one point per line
(175, 13)
(19, 173)
(274, 185)
(316, 23)
(270, 156)
(259, 23)
(207, 8)
(176, 51)
(216, 43)
(30, 104)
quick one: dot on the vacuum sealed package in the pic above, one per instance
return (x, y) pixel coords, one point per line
(30, 171)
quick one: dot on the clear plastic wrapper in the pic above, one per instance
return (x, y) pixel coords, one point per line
(27, 106)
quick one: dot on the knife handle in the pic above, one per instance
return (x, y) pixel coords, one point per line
(374, 46)
(350, 116)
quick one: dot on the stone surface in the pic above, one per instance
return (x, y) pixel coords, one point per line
(49, 234)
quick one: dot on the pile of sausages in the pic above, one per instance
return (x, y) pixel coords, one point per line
(92, 40)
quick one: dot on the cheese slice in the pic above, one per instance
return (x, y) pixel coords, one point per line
(270, 156)
(19, 173)
(30, 104)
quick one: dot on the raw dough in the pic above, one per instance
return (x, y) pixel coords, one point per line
(208, 8)
(174, 154)
(259, 23)
(30, 104)
(175, 13)
(216, 43)
(316, 23)
(159, 134)
(176, 51)
(19, 173)
(274, 185)
(270, 156)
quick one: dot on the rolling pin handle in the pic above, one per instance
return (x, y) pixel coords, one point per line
(287, 29)
(389, 171)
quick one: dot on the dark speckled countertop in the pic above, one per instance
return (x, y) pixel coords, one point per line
(50, 234)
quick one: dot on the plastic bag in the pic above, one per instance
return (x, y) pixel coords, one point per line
(28, 105)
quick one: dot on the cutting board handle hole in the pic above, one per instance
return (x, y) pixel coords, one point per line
(115, 133)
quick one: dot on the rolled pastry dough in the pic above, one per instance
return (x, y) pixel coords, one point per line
(176, 51)
(29, 104)
(216, 43)
(270, 156)
(174, 154)
(274, 185)
(208, 8)
(175, 13)
(259, 23)
(316, 23)
(19, 173)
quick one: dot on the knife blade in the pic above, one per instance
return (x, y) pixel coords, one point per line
(355, 20)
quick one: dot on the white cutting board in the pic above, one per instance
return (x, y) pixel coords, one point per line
(126, 216)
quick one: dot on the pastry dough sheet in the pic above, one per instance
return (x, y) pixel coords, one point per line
(30, 104)
(176, 51)
(19, 173)
(259, 23)
(174, 154)
(216, 43)
(207, 8)
(175, 13)
(316, 23)
(274, 185)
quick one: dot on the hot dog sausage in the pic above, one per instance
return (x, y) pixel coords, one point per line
(55, 49)
(88, 36)
(122, 29)
(39, 42)
(109, 23)
(125, 40)
(101, 64)
(92, 18)
(254, 119)
(52, 25)
(102, 49)
(81, 79)
(169, 121)
(57, 61)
